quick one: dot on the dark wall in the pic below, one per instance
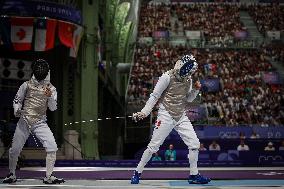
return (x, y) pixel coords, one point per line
(56, 58)
(109, 130)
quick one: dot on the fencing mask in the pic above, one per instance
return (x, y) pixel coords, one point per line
(40, 69)
(186, 66)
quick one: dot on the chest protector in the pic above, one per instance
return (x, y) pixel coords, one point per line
(174, 98)
(35, 104)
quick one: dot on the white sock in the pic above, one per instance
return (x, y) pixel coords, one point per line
(144, 160)
(193, 158)
(50, 161)
(13, 164)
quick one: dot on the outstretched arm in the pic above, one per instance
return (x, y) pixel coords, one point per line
(161, 85)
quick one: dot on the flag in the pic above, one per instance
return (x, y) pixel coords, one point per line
(271, 78)
(22, 33)
(5, 32)
(66, 32)
(210, 67)
(44, 34)
(77, 36)
(99, 48)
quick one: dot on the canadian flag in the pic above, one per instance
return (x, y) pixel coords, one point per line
(22, 33)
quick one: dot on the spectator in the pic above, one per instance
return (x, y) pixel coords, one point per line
(243, 146)
(254, 135)
(202, 148)
(282, 146)
(269, 147)
(242, 136)
(156, 157)
(214, 146)
(170, 154)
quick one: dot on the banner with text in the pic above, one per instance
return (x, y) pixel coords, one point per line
(41, 9)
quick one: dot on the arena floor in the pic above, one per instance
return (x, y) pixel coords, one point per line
(162, 178)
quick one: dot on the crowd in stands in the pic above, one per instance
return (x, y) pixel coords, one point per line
(268, 17)
(216, 20)
(244, 97)
(276, 52)
(153, 18)
(150, 62)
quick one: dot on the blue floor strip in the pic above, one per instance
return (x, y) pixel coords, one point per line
(232, 183)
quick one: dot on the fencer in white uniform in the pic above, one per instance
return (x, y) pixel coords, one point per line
(30, 105)
(173, 91)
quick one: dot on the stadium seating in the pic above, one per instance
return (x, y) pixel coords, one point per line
(268, 17)
(244, 93)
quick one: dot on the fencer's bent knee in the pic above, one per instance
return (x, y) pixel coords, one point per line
(14, 152)
(153, 149)
(50, 146)
(154, 146)
(195, 144)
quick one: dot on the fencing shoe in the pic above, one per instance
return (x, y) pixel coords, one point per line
(10, 178)
(198, 179)
(53, 180)
(135, 178)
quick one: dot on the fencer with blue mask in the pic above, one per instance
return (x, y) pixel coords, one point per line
(173, 91)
